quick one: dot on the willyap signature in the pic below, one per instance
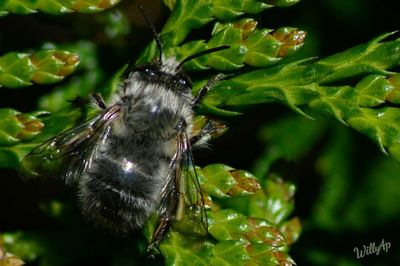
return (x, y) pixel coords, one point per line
(372, 248)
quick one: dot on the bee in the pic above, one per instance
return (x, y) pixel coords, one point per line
(127, 162)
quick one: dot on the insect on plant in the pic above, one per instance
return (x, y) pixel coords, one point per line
(134, 158)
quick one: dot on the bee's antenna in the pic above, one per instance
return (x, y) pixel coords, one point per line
(208, 51)
(153, 29)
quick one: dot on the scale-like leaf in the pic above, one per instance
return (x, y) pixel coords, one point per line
(41, 67)
(56, 7)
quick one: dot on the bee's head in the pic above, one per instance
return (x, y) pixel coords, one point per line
(169, 70)
(167, 73)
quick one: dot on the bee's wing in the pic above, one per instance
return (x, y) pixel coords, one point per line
(193, 199)
(181, 191)
(69, 153)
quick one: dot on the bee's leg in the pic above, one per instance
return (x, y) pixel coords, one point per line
(158, 235)
(200, 95)
(212, 128)
(95, 98)
(98, 100)
(83, 103)
(164, 223)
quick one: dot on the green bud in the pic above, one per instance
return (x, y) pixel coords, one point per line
(16, 127)
(394, 95)
(53, 65)
(264, 232)
(291, 39)
(246, 183)
(42, 67)
(222, 181)
(291, 230)
(275, 202)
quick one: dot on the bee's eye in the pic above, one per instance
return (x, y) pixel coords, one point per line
(150, 71)
(182, 81)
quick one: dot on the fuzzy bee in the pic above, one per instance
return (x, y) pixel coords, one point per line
(128, 160)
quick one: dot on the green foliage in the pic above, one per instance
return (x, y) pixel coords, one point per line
(56, 7)
(356, 186)
(248, 45)
(17, 127)
(306, 86)
(42, 67)
(249, 216)
(8, 259)
(252, 239)
(79, 85)
(189, 15)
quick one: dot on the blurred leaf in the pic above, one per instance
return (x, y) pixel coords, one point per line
(350, 189)
(281, 140)
(335, 170)
(11, 260)
(377, 192)
(282, 3)
(170, 3)
(72, 241)
(117, 24)
(6, 258)
(319, 257)
(394, 94)
(19, 243)
(291, 230)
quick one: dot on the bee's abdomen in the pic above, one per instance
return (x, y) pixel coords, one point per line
(118, 194)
